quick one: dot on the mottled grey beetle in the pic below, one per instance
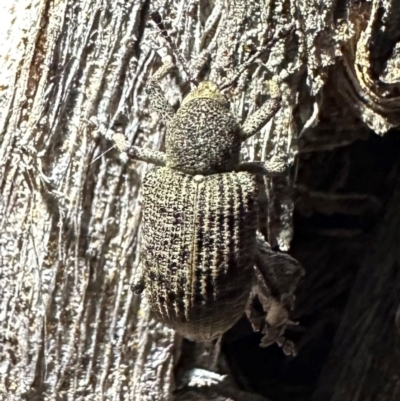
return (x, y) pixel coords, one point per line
(202, 258)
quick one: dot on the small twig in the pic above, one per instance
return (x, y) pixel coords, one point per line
(281, 34)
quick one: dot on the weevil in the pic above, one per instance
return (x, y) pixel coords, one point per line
(203, 259)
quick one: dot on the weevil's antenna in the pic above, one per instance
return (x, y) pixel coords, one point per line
(267, 48)
(156, 17)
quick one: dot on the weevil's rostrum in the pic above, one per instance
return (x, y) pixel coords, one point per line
(202, 257)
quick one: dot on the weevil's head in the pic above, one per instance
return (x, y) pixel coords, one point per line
(206, 90)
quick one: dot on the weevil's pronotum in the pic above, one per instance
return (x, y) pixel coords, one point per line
(203, 259)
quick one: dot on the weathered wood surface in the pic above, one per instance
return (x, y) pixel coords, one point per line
(73, 72)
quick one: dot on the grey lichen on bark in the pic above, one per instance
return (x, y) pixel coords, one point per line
(72, 74)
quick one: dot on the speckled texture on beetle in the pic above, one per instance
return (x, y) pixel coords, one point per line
(202, 258)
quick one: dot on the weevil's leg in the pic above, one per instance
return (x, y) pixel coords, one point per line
(146, 155)
(277, 276)
(271, 334)
(258, 119)
(138, 286)
(270, 168)
(156, 96)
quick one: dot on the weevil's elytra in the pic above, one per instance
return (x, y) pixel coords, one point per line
(202, 254)
(201, 285)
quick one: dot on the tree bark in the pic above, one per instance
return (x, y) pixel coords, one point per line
(365, 360)
(73, 73)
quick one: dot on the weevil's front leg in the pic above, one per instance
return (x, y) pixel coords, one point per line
(277, 276)
(156, 96)
(259, 118)
(146, 155)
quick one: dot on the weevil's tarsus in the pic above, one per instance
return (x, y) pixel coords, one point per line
(120, 142)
